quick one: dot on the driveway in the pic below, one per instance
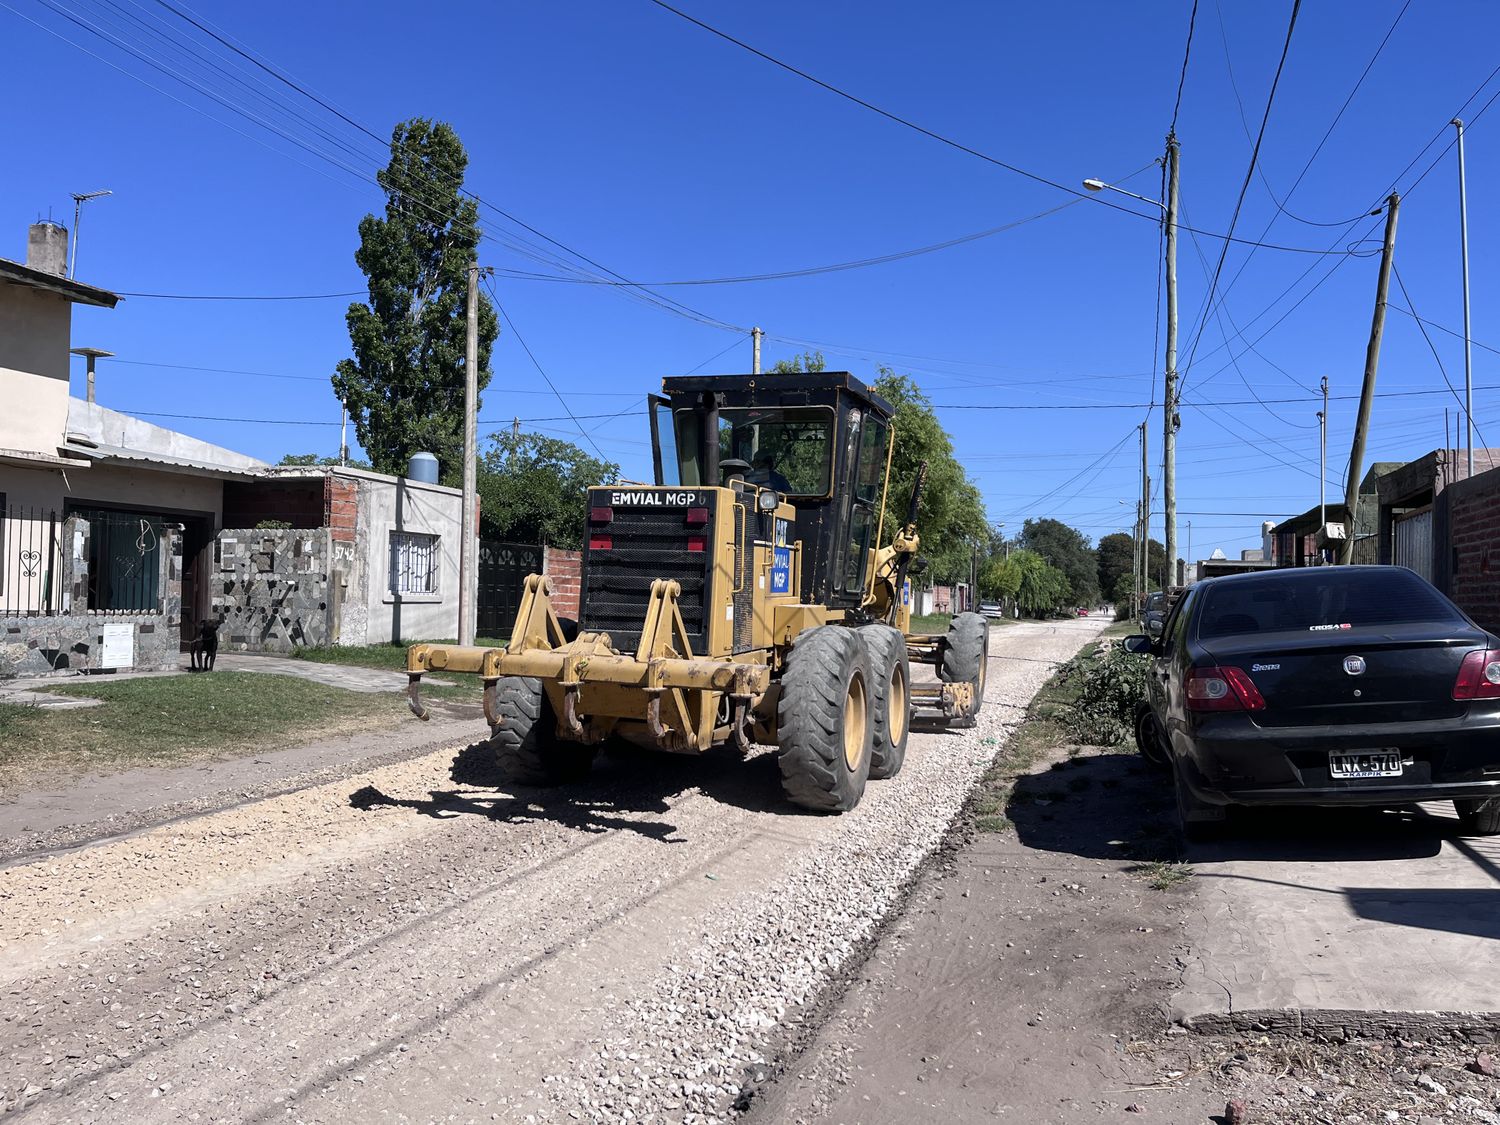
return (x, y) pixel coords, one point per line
(1332, 919)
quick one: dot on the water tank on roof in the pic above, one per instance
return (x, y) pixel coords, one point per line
(423, 467)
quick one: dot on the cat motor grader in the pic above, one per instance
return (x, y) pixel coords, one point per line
(748, 596)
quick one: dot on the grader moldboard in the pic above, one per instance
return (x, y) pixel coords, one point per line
(748, 596)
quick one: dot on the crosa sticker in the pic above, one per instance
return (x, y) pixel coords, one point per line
(1328, 628)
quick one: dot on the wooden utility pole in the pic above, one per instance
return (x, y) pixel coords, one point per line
(1367, 391)
(468, 553)
(755, 335)
(1170, 420)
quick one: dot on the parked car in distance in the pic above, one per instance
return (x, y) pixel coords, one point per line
(990, 610)
(1082, 612)
(1348, 685)
(1154, 613)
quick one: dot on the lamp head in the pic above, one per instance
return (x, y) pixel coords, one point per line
(1095, 185)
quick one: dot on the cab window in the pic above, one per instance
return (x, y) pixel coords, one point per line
(789, 449)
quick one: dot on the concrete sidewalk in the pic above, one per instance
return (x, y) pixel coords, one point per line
(31, 690)
(1367, 920)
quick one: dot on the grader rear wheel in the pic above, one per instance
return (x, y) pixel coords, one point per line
(824, 720)
(526, 743)
(891, 681)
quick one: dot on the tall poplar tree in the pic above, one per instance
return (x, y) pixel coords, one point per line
(404, 386)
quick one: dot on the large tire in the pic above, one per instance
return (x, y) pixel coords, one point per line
(823, 720)
(890, 678)
(1148, 737)
(526, 743)
(966, 655)
(1480, 816)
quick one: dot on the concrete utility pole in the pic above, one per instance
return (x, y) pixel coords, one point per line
(468, 558)
(343, 434)
(1170, 419)
(755, 335)
(1323, 464)
(1367, 391)
(1143, 511)
(1463, 230)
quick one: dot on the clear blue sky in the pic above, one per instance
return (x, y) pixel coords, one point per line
(665, 153)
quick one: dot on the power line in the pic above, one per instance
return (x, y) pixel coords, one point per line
(1437, 358)
(1245, 186)
(941, 138)
(1187, 52)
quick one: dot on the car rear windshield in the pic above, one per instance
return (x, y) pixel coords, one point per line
(1326, 599)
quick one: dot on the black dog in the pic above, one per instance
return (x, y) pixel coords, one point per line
(205, 647)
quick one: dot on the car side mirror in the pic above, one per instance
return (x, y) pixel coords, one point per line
(1137, 643)
(1154, 627)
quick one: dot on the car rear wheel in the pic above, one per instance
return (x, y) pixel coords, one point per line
(1480, 816)
(1148, 737)
(1200, 821)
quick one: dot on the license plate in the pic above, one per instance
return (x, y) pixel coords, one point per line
(1367, 763)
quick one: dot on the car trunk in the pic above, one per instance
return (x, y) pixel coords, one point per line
(1408, 674)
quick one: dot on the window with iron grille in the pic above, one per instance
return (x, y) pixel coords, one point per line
(414, 563)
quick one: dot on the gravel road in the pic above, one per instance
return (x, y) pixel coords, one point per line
(419, 942)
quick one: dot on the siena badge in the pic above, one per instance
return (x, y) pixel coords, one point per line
(1354, 665)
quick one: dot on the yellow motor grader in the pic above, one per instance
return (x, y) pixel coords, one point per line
(748, 596)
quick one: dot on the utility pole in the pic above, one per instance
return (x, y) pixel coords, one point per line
(515, 426)
(755, 335)
(1143, 521)
(1367, 391)
(1463, 230)
(1170, 419)
(468, 556)
(1323, 464)
(1135, 562)
(343, 434)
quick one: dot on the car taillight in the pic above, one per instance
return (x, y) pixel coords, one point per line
(696, 517)
(1222, 689)
(697, 543)
(601, 515)
(1479, 676)
(600, 542)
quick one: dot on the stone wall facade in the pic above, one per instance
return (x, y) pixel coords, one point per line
(271, 588)
(41, 644)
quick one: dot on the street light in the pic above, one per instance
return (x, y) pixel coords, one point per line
(1170, 417)
(1100, 185)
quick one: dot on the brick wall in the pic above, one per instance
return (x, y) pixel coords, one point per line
(564, 569)
(1473, 542)
(340, 507)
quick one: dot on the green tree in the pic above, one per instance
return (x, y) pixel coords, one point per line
(1041, 588)
(404, 386)
(951, 520)
(1067, 550)
(308, 459)
(1116, 555)
(532, 489)
(811, 362)
(1000, 578)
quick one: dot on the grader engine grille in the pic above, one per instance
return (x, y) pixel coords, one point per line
(630, 545)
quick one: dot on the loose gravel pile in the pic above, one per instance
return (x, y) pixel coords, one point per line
(687, 1048)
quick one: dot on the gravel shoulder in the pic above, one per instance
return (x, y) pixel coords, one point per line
(419, 941)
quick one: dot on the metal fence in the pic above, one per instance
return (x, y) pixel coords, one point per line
(30, 562)
(92, 561)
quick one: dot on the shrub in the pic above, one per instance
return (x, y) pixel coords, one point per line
(1109, 684)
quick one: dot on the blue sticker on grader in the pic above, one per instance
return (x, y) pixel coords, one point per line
(781, 570)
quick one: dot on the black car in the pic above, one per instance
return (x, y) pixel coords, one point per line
(1323, 686)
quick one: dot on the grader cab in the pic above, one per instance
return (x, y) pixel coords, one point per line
(748, 596)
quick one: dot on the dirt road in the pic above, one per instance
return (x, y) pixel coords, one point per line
(418, 942)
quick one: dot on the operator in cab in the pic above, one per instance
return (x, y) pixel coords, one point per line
(763, 472)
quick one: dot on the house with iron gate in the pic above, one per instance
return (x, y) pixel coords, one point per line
(119, 538)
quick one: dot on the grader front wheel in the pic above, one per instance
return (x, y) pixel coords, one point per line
(824, 720)
(525, 740)
(891, 711)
